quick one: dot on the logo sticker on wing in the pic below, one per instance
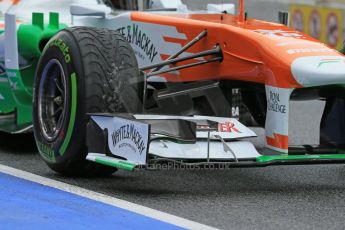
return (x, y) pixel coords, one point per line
(127, 138)
(227, 127)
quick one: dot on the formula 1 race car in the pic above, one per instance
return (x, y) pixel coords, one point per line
(127, 84)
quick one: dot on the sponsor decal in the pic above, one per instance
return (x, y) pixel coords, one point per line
(227, 127)
(279, 33)
(224, 127)
(13, 78)
(310, 50)
(296, 42)
(235, 112)
(63, 48)
(203, 127)
(235, 103)
(137, 37)
(274, 104)
(127, 136)
(277, 118)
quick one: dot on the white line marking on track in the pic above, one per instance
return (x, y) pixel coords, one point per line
(142, 210)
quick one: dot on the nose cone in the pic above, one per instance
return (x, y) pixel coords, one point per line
(319, 70)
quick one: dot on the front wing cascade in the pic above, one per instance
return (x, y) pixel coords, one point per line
(131, 141)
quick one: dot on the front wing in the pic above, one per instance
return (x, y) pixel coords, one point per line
(146, 141)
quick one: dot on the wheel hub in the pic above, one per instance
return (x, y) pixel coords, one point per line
(58, 100)
(51, 100)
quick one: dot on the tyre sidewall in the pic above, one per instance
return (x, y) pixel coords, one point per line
(62, 152)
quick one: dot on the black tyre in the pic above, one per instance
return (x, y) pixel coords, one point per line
(82, 70)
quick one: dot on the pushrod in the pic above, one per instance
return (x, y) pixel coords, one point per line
(184, 48)
(215, 51)
(184, 66)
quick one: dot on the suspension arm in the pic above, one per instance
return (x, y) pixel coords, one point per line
(216, 51)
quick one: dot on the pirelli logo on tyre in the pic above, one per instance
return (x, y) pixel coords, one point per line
(46, 151)
(63, 48)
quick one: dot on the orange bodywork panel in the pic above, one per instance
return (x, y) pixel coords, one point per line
(253, 50)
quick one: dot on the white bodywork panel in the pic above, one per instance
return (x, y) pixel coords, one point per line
(235, 132)
(11, 48)
(319, 70)
(89, 10)
(25, 8)
(169, 149)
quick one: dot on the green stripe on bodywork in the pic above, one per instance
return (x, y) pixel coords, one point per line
(120, 164)
(267, 159)
(328, 62)
(72, 115)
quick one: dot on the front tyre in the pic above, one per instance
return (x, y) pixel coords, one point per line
(82, 70)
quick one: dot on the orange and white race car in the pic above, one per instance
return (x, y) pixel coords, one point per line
(125, 84)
